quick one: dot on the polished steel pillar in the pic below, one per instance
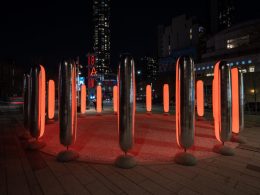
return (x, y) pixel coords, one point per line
(26, 107)
(222, 107)
(50, 102)
(67, 109)
(126, 110)
(185, 109)
(237, 105)
(37, 106)
(241, 100)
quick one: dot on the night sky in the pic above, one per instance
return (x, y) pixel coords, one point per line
(45, 32)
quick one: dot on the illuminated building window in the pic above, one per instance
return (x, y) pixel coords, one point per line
(237, 42)
(251, 69)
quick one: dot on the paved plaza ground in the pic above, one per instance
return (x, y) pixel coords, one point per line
(27, 172)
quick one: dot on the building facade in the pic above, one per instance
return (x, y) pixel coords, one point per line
(222, 14)
(146, 73)
(182, 37)
(239, 46)
(101, 19)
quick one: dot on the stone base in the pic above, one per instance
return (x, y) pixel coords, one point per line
(125, 162)
(49, 121)
(184, 158)
(224, 150)
(80, 115)
(238, 139)
(200, 118)
(25, 136)
(36, 145)
(67, 155)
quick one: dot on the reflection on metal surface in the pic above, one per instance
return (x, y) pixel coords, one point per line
(222, 102)
(126, 102)
(51, 99)
(148, 98)
(185, 98)
(200, 97)
(241, 100)
(166, 98)
(37, 103)
(67, 103)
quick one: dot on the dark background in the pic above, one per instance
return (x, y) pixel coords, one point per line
(45, 32)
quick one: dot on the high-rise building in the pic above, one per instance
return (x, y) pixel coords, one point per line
(222, 14)
(101, 15)
(181, 34)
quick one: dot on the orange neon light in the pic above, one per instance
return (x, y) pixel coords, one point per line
(177, 103)
(99, 99)
(83, 99)
(148, 98)
(216, 101)
(115, 98)
(200, 98)
(166, 98)
(41, 97)
(51, 99)
(213, 98)
(74, 104)
(235, 100)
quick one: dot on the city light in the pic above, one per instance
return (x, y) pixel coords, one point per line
(51, 99)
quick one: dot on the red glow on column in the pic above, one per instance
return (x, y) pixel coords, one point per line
(166, 98)
(177, 103)
(51, 99)
(200, 97)
(148, 98)
(99, 99)
(235, 100)
(216, 101)
(83, 99)
(41, 105)
(115, 98)
(74, 104)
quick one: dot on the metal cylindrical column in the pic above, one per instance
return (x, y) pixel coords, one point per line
(26, 95)
(67, 109)
(185, 109)
(200, 97)
(83, 96)
(115, 99)
(166, 99)
(126, 109)
(99, 99)
(51, 100)
(26, 107)
(148, 99)
(222, 106)
(37, 106)
(237, 105)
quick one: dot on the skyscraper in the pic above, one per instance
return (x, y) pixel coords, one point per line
(101, 15)
(222, 14)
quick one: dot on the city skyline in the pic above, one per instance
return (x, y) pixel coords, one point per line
(48, 32)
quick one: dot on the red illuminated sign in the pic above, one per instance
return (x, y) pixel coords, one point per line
(91, 60)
